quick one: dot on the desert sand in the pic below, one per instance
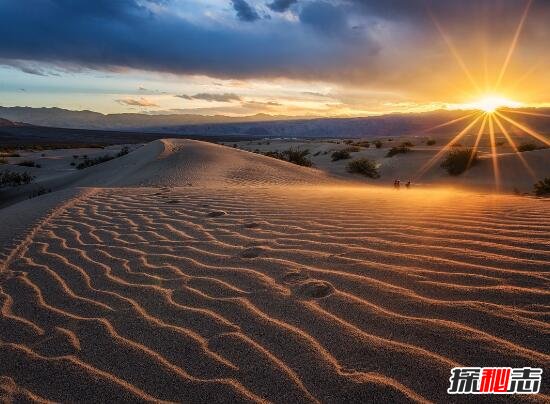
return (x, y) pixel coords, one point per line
(189, 271)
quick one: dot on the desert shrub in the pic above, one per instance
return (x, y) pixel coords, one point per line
(500, 143)
(39, 191)
(364, 167)
(524, 147)
(10, 154)
(3, 160)
(456, 145)
(340, 155)
(92, 162)
(377, 144)
(542, 188)
(407, 144)
(27, 163)
(430, 142)
(362, 143)
(12, 179)
(457, 161)
(75, 156)
(291, 155)
(124, 151)
(352, 149)
(73, 163)
(316, 154)
(298, 156)
(401, 149)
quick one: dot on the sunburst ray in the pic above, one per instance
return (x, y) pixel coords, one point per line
(524, 128)
(514, 43)
(478, 139)
(439, 154)
(494, 158)
(514, 147)
(453, 50)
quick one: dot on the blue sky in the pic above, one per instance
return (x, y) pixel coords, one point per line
(293, 57)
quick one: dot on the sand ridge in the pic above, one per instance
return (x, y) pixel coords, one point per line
(208, 274)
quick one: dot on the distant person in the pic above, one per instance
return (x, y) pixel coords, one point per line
(408, 184)
(397, 184)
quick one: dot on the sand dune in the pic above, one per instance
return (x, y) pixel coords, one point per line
(194, 272)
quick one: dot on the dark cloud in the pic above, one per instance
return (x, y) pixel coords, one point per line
(325, 17)
(396, 46)
(244, 11)
(280, 6)
(227, 97)
(129, 35)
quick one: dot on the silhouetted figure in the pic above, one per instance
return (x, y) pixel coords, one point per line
(408, 184)
(397, 184)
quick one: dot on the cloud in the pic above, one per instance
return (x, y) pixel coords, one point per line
(259, 104)
(394, 46)
(227, 97)
(244, 11)
(137, 102)
(281, 6)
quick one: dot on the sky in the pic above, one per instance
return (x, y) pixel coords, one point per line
(280, 57)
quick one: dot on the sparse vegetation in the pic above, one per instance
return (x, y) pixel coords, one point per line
(12, 179)
(295, 156)
(401, 149)
(28, 163)
(456, 145)
(458, 161)
(525, 147)
(3, 161)
(92, 162)
(430, 142)
(362, 143)
(364, 167)
(123, 152)
(101, 159)
(39, 191)
(377, 144)
(9, 154)
(340, 155)
(542, 188)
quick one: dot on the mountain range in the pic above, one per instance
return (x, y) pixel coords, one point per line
(263, 125)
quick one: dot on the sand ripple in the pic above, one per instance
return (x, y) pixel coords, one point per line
(289, 294)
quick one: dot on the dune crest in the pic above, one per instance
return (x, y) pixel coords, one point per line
(200, 273)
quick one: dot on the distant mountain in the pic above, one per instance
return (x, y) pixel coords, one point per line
(262, 125)
(5, 122)
(57, 117)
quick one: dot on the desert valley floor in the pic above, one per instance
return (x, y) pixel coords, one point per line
(188, 271)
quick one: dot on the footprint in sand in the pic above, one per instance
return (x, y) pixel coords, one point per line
(294, 276)
(252, 252)
(216, 213)
(315, 289)
(252, 225)
(172, 201)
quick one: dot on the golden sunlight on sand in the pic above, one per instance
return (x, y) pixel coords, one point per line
(202, 272)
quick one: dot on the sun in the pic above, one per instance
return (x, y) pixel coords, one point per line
(491, 103)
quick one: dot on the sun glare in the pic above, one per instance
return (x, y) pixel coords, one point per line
(490, 104)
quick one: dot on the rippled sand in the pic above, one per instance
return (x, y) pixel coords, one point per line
(214, 275)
